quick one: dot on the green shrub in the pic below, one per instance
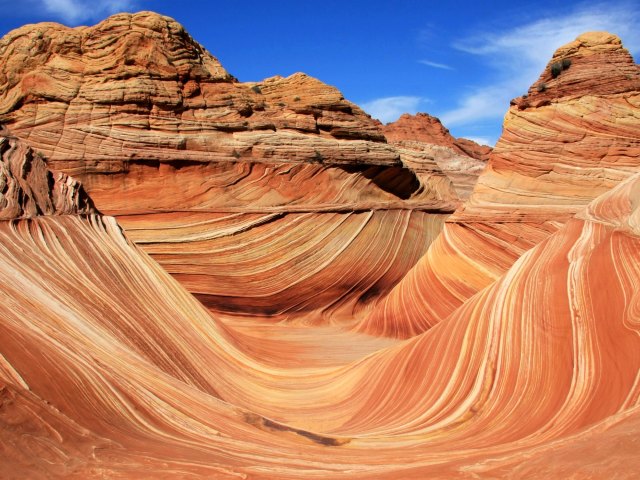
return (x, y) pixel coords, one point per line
(256, 89)
(558, 67)
(542, 87)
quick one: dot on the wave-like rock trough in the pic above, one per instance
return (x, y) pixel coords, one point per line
(308, 307)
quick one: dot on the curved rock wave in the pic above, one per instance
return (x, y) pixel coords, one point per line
(525, 348)
(562, 145)
(120, 359)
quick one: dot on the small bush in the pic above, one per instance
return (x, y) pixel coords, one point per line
(296, 99)
(256, 89)
(542, 87)
(556, 69)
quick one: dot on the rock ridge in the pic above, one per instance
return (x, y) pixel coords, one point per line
(29, 189)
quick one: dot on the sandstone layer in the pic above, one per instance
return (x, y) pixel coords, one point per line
(524, 313)
(425, 128)
(107, 369)
(191, 161)
(562, 145)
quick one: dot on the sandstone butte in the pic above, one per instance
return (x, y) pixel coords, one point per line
(111, 368)
(422, 136)
(277, 198)
(571, 138)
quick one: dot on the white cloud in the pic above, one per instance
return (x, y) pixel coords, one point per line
(76, 11)
(482, 140)
(388, 109)
(482, 103)
(518, 56)
(435, 64)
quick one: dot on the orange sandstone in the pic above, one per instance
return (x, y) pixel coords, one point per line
(561, 147)
(215, 177)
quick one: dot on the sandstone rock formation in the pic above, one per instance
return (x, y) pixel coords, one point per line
(110, 368)
(425, 128)
(28, 189)
(561, 147)
(134, 106)
(422, 138)
(113, 368)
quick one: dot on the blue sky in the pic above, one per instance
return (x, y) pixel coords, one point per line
(461, 61)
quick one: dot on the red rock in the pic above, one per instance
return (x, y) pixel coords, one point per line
(28, 188)
(506, 394)
(424, 128)
(424, 137)
(110, 368)
(191, 161)
(550, 161)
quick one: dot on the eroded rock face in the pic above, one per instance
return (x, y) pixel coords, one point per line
(110, 368)
(546, 343)
(136, 89)
(190, 160)
(28, 188)
(561, 147)
(423, 140)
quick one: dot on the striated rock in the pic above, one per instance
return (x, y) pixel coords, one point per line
(109, 367)
(27, 188)
(423, 140)
(137, 87)
(516, 383)
(581, 140)
(553, 158)
(424, 158)
(191, 161)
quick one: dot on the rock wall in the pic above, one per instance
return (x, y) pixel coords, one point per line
(561, 147)
(190, 160)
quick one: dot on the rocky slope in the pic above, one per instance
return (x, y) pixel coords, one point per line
(562, 146)
(134, 106)
(422, 139)
(524, 313)
(105, 369)
(425, 128)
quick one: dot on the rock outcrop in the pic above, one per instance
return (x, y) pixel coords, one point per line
(214, 177)
(561, 147)
(425, 128)
(101, 370)
(422, 139)
(28, 188)
(109, 367)
(136, 91)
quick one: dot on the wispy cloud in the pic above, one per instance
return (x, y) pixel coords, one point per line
(518, 56)
(388, 109)
(435, 64)
(482, 140)
(73, 12)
